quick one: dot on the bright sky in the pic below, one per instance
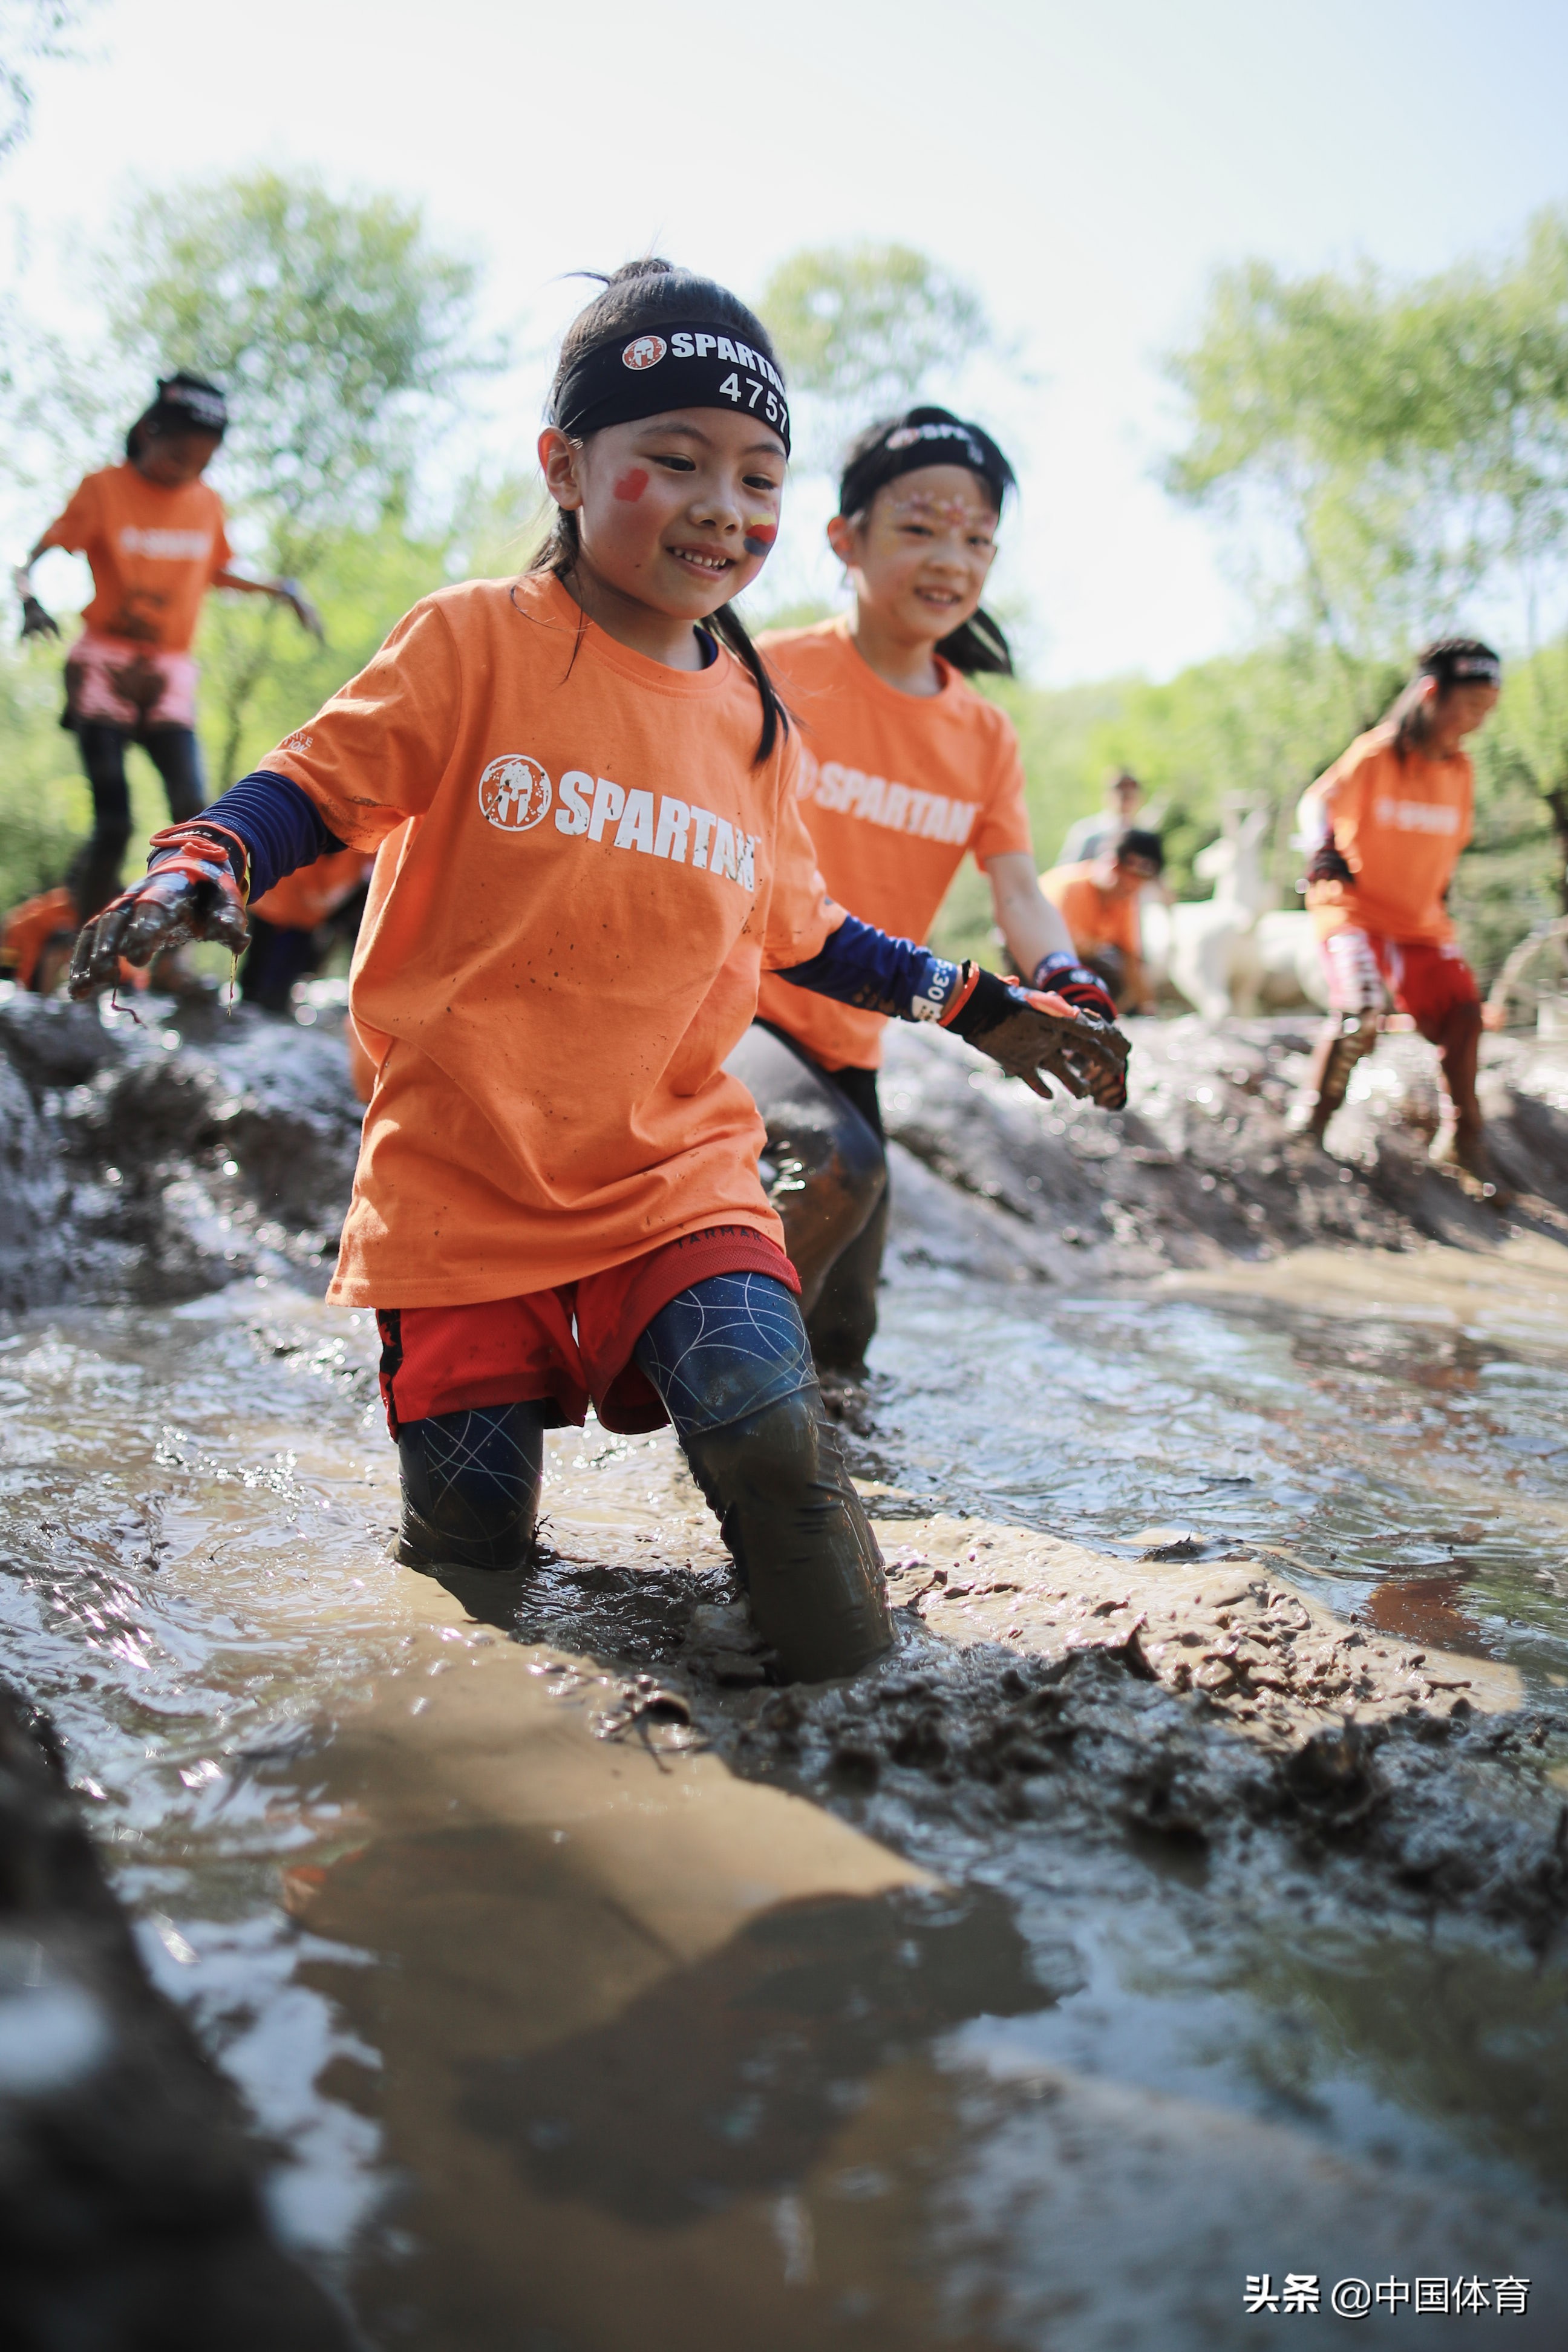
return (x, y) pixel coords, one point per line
(1088, 168)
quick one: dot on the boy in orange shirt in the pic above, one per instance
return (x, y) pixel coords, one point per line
(152, 533)
(1098, 899)
(589, 851)
(904, 770)
(1387, 825)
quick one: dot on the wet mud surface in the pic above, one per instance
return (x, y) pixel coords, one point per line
(1185, 1901)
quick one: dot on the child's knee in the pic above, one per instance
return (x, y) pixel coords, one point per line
(470, 1487)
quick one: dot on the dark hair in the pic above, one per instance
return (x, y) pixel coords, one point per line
(1450, 661)
(1138, 843)
(923, 437)
(183, 403)
(638, 296)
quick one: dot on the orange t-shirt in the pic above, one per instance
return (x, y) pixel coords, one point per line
(307, 896)
(154, 554)
(1094, 917)
(894, 789)
(1400, 825)
(560, 948)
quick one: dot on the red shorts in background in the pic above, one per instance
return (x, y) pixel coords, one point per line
(525, 1351)
(1425, 979)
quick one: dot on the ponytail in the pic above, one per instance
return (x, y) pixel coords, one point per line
(978, 644)
(639, 298)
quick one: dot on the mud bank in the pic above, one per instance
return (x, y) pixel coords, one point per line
(1200, 1167)
(160, 1151)
(130, 2214)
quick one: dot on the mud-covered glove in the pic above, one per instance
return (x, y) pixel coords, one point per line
(1031, 1032)
(35, 622)
(1327, 864)
(1062, 975)
(191, 893)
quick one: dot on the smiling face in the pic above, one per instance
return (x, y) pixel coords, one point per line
(920, 558)
(676, 513)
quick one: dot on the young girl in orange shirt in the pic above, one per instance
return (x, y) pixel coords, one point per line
(152, 533)
(582, 790)
(905, 770)
(1387, 825)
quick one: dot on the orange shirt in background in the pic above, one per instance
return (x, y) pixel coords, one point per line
(560, 947)
(895, 788)
(307, 896)
(1094, 917)
(154, 554)
(1400, 825)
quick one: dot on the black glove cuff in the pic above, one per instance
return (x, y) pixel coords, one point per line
(989, 1001)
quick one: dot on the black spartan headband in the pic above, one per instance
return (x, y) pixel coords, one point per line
(907, 447)
(676, 367)
(1463, 666)
(201, 404)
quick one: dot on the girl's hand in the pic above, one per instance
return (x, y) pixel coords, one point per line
(1031, 1033)
(190, 895)
(299, 604)
(35, 622)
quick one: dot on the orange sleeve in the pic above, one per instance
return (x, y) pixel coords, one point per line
(1003, 826)
(376, 752)
(801, 916)
(1338, 790)
(80, 523)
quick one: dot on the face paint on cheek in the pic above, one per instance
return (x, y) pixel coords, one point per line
(760, 537)
(630, 487)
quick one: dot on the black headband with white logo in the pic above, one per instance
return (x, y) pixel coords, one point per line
(201, 404)
(909, 447)
(1471, 665)
(666, 368)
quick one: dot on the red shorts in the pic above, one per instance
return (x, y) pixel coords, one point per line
(525, 1351)
(1425, 979)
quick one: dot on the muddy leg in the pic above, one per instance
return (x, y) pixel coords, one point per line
(730, 1359)
(830, 1163)
(1345, 1039)
(1460, 1140)
(843, 1323)
(470, 1487)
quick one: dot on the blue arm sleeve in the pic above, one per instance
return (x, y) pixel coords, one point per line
(878, 973)
(279, 824)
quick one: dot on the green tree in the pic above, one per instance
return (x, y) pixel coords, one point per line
(863, 328)
(29, 30)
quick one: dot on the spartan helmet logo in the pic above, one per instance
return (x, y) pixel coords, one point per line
(514, 792)
(644, 351)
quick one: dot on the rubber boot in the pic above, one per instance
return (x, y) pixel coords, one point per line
(470, 1488)
(797, 1531)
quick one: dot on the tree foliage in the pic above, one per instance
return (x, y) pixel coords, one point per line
(867, 328)
(29, 30)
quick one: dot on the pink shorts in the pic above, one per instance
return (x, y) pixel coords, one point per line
(1426, 978)
(112, 683)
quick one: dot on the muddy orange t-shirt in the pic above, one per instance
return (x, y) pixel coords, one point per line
(1094, 917)
(561, 948)
(154, 554)
(1400, 825)
(894, 788)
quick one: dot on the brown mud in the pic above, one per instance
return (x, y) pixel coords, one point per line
(1185, 1900)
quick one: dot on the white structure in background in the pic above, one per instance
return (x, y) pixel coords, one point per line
(1235, 951)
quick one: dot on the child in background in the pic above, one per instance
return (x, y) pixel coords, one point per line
(905, 770)
(586, 788)
(1386, 826)
(152, 533)
(1100, 900)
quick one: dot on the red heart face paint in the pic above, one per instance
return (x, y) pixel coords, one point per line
(760, 537)
(631, 486)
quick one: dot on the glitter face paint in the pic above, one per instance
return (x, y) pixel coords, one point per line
(631, 486)
(958, 514)
(760, 537)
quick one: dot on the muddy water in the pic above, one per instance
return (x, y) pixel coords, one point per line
(569, 2038)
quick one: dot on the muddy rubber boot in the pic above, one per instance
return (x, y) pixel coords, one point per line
(777, 1483)
(470, 1488)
